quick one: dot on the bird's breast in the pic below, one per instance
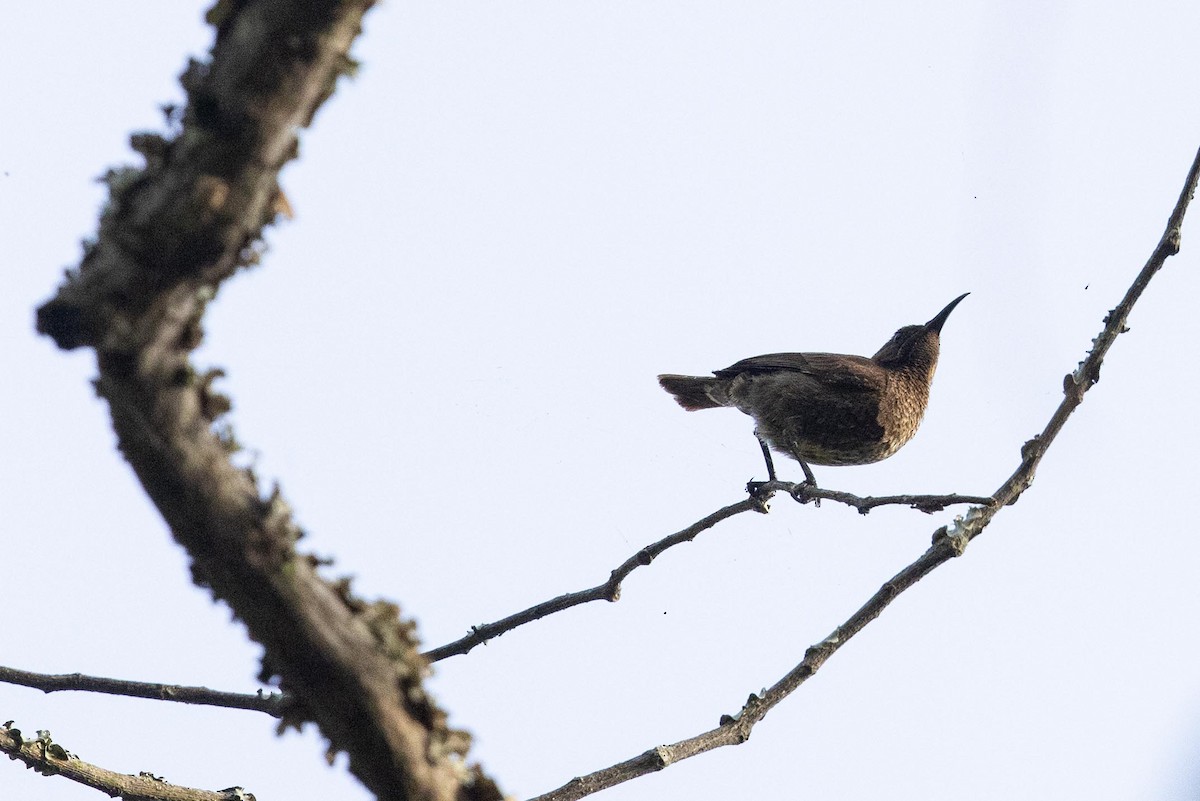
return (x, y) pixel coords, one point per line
(800, 416)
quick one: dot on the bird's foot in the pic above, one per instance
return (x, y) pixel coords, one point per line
(801, 492)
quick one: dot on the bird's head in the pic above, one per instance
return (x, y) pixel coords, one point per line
(916, 346)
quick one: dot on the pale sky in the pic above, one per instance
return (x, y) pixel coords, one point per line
(506, 226)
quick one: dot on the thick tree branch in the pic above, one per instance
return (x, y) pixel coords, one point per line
(49, 758)
(171, 233)
(271, 703)
(948, 542)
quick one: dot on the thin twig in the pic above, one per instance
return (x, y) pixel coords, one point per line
(270, 703)
(608, 591)
(948, 542)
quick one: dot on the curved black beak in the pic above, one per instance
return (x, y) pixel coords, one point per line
(937, 322)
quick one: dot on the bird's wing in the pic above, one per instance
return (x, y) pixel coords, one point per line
(834, 370)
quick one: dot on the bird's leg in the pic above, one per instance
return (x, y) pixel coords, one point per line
(762, 443)
(810, 481)
(809, 478)
(755, 487)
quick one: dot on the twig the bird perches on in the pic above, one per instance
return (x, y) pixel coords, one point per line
(803, 491)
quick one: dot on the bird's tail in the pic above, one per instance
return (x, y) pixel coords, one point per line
(694, 393)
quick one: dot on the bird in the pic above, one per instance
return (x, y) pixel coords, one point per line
(827, 408)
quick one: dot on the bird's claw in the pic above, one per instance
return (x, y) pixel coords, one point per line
(800, 493)
(757, 489)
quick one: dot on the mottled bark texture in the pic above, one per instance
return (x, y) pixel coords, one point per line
(171, 232)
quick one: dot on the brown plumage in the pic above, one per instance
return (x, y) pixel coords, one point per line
(827, 408)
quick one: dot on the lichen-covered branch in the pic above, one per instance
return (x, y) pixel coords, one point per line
(948, 542)
(172, 231)
(40, 753)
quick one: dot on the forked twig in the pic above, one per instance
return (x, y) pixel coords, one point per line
(610, 590)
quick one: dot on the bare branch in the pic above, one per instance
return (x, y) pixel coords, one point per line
(1087, 374)
(608, 591)
(49, 758)
(948, 542)
(271, 703)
